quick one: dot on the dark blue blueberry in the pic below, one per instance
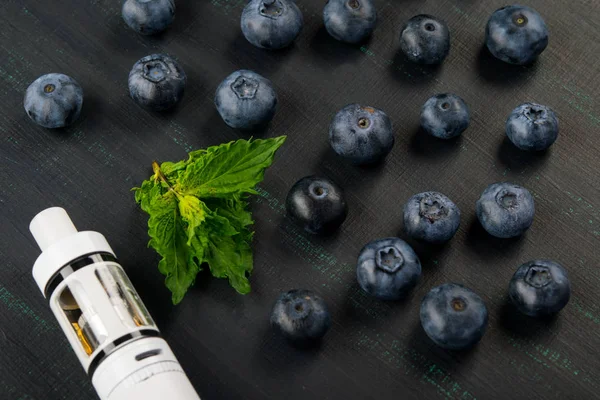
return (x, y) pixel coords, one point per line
(271, 24)
(516, 34)
(431, 217)
(425, 39)
(445, 116)
(301, 316)
(148, 17)
(388, 268)
(540, 288)
(350, 21)
(246, 100)
(360, 134)
(454, 317)
(157, 82)
(505, 210)
(532, 127)
(317, 204)
(53, 100)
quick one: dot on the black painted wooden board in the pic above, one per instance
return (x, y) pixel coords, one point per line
(374, 349)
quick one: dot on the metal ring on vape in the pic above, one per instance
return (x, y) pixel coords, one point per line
(73, 266)
(106, 351)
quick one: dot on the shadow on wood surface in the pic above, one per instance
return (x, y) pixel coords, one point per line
(514, 158)
(514, 322)
(488, 246)
(424, 145)
(495, 71)
(412, 73)
(331, 51)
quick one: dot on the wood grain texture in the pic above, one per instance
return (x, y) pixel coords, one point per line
(374, 349)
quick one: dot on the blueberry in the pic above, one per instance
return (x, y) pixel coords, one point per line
(157, 82)
(532, 127)
(301, 316)
(53, 100)
(516, 34)
(350, 21)
(148, 17)
(431, 217)
(271, 24)
(388, 268)
(246, 100)
(540, 288)
(360, 134)
(453, 316)
(317, 204)
(505, 210)
(425, 39)
(445, 116)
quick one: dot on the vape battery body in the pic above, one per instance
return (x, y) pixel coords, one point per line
(106, 323)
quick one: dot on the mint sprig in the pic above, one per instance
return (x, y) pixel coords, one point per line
(199, 212)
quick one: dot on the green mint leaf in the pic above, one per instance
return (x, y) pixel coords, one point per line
(228, 169)
(180, 262)
(235, 211)
(230, 257)
(173, 170)
(193, 211)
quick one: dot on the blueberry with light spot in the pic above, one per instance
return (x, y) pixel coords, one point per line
(425, 39)
(148, 17)
(388, 268)
(53, 100)
(361, 134)
(317, 204)
(350, 21)
(271, 24)
(505, 210)
(532, 127)
(246, 100)
(445, 116)
(453, 316)
(431, 217)
(157, 82)
(540, 288)
(516, 34)
(301, 316)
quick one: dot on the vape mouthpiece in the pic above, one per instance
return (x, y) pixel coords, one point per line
(61, 243)
(51, 226)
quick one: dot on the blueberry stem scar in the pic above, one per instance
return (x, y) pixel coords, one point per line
(507, 200)
(520, 20)
(354, 4)
(538, 276)
(458, 304)
(49, 88)
(270, 8)
(245, 88)
(389, 259)
(363, 123)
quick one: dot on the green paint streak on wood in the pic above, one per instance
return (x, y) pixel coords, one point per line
(229, 6)
(98, 148)
(179, 136)
(586, 313)
(549, 358)
(19, 307)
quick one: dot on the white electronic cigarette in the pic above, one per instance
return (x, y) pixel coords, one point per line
(101, 314)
